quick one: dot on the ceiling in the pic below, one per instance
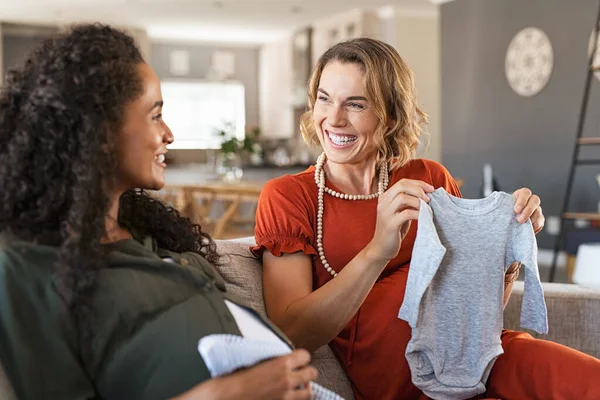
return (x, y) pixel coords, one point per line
(240, 21)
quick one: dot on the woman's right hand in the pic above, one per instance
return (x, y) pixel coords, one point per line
(283, 378)
(396, 208)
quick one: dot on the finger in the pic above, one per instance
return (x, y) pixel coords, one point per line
(302, 377)
(514, 267)
(404, 229)
(417, 189)
(401, 202)
(538, 220)
(409, 214)
(404, 216)
(532, 204)
(521, 197)
(410, 186)
(298, 359)
(301, 394)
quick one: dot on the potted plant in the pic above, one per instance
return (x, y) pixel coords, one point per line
(234, 152)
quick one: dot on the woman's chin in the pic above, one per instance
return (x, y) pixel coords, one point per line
(156, 184)
(339, 155)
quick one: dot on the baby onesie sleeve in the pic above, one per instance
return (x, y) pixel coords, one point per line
(428, 253)
(522, 247)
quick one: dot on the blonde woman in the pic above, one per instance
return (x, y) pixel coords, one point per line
(336, 239)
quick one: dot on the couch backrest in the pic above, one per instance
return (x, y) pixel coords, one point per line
(243, 277)
(242, 272)
(573, 315)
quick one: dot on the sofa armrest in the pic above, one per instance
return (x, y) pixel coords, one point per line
(573, 315)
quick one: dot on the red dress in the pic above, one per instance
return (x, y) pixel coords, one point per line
(372, 345)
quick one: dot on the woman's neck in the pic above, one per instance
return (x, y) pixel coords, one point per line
(359, 178)
(113, 231)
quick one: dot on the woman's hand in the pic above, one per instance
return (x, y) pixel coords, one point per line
(527, 206)
(511, 275)
(396, 208)
(282, 378)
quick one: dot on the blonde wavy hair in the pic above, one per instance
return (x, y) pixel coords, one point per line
(389, 85)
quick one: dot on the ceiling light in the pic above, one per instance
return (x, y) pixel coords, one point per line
(214, 33)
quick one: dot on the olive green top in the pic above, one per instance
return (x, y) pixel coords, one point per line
(150, 308)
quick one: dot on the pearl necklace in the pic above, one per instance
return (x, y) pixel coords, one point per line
(320, 181)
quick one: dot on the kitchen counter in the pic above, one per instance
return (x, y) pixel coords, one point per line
(199, 174)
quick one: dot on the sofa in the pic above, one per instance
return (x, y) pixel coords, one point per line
(573, 311)
(573, 314)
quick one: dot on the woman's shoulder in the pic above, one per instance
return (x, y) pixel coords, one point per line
(422, 169)
(30, 305)
(297, 188)
(423, 164)
(428, 171)
(19, 257)
(287, 182)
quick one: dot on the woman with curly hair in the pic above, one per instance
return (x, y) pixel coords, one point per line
(104, 291)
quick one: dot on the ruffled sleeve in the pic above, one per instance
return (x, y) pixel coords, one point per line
(283, 219)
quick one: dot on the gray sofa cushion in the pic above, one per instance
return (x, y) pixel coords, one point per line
(573, 315)
(243, 277)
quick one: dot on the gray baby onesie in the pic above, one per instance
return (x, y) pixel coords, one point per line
(455, 290)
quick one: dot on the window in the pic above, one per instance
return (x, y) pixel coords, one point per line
(194, 110)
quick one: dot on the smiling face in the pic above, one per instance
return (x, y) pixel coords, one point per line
(142, 143)
(344, 120)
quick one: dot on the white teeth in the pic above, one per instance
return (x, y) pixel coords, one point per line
(341, 140)
(160, 158)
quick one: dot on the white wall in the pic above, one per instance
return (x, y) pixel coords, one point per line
(361, 22)
(275, 71)
(417, 39)
(1, 56)
(142, 40)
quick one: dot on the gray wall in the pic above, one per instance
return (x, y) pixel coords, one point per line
(246, 71)
(528, 141)
(18, 40)
(16, 49)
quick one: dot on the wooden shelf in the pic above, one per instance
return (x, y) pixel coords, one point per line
(588, 216)
(589, 140)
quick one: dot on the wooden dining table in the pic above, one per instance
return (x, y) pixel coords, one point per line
(225, 210)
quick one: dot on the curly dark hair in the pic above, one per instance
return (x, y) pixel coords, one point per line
(59, 116)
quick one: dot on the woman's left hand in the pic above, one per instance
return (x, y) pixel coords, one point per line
(527, 206)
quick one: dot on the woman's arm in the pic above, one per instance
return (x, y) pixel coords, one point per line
(511, 275)
(527, 207)
(312, 319)
(286, 377)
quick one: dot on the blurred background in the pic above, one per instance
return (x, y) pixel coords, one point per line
(501, 80)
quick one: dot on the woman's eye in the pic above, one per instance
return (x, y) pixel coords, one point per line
(357, 106)
(322, 98)
(157, 117)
